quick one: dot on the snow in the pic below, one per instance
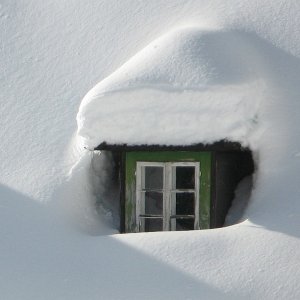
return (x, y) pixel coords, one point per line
(240, 201)
(53, 243)
(168, 92)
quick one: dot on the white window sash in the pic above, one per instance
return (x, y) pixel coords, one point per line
(196, 191)
(140, 194)
(169, 205)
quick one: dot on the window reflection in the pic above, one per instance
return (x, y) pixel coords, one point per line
(153, 224)
(153, 203)
(185, 224)
(185, 203)
(185, 177)
(154, 178)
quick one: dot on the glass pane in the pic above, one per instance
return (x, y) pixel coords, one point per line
(185, 224)
(185, 177)
(154, 179)
(153, 224)
(153, 203)
(185, 203)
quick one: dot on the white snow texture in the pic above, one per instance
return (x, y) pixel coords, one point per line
(182, 72)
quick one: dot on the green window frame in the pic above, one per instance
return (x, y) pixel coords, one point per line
(201, 158)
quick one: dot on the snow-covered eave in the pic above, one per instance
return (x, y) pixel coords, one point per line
(161, 117)
(187, 87)
(224, 145)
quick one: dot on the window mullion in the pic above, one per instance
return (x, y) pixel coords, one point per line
(139, 200)
(197, 195)
(167, 196)
(173, 196)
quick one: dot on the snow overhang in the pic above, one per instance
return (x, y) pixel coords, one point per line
(189, 86)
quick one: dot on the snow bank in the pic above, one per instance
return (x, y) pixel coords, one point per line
(76, 199)
(235, 86)
(188, 86)
(52, 53)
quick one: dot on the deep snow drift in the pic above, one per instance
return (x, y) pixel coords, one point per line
(231, 91)
(53, 52)
(238, 87)
(188, 86)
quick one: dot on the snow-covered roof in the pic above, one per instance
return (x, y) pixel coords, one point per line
(43, 255)
(188, 86)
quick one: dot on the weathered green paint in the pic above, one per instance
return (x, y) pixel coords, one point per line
(130, 195)
(205, 189)
(167, 156)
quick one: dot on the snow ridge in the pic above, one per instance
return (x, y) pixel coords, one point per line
(164, 94)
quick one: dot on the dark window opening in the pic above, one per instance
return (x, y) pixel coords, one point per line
(230, 169)
(185, 178)
(230, 165)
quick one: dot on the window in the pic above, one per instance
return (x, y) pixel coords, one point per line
(167, 196)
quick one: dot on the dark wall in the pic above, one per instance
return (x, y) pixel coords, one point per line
(229, 169)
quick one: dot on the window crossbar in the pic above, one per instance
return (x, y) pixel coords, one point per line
(183, 191)
(182, 216)
(151, 216)
(151, 190)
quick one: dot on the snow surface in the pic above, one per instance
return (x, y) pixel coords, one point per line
(240, 202)
(170, 91)
(52, 53)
